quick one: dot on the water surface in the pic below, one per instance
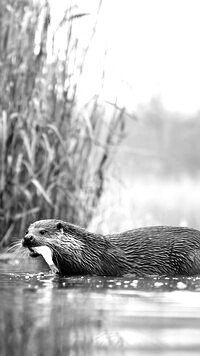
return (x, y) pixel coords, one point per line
(42, 314)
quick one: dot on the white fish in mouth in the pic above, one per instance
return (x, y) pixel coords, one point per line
(46, 253)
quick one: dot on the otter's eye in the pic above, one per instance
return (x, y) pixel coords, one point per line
(42, 232)
(59, 226)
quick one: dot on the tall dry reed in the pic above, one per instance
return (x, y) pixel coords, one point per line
(53, 156)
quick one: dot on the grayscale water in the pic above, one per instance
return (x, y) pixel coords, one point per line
(42, 314)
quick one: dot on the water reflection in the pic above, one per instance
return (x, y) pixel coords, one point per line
(45, 315)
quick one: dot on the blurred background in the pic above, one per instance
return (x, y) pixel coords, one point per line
(99, 113)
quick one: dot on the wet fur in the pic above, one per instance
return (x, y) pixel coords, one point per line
(159, 250)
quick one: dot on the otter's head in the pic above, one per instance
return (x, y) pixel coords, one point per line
(42, 233)
(59, 242)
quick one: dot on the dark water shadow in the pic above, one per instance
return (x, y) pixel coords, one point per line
(42, 314)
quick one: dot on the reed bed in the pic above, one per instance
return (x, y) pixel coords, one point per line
(53, 155)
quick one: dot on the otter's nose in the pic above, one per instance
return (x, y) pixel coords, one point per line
(27, 240)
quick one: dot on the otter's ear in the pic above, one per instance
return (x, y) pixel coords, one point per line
(60, 227)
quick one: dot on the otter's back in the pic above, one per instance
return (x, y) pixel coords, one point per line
(170, 250)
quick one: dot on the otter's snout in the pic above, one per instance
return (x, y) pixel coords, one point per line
(27, 240)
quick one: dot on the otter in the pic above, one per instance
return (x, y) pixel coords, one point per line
(158, 250)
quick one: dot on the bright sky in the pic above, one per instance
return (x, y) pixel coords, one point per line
(153, 49)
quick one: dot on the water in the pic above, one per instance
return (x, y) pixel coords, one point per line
(42, 314)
